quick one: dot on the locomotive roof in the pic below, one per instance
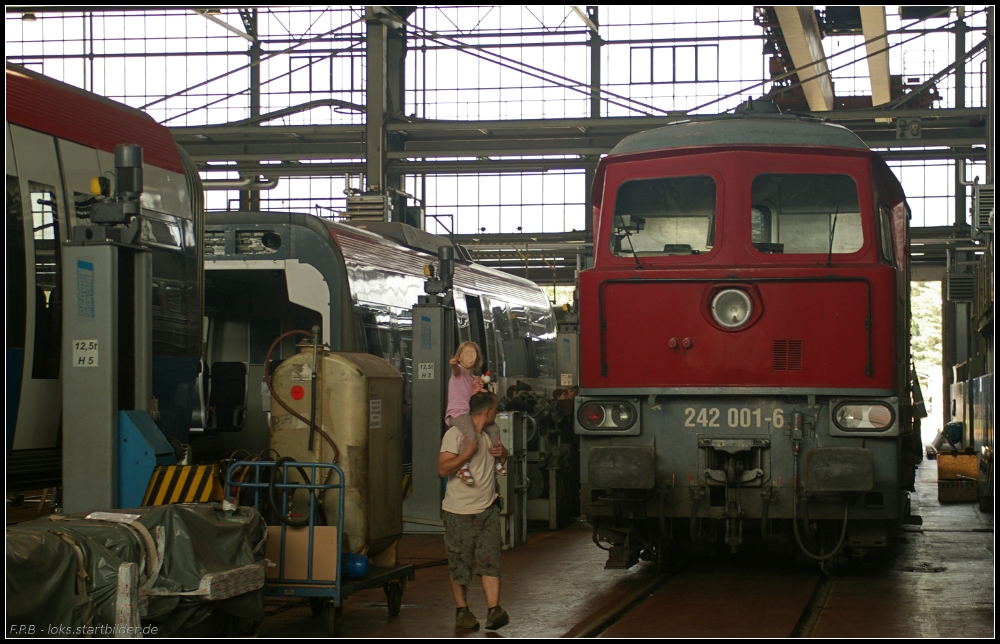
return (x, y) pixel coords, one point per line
(742, 130)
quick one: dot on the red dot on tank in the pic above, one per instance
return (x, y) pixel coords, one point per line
(298, 392)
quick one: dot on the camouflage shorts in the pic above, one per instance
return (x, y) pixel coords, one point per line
(472, 540)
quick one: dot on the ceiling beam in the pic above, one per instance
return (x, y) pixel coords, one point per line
(526, 146)
(804, 40)
(210, 14)
(877, 46)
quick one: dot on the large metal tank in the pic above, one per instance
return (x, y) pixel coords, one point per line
(359, 405)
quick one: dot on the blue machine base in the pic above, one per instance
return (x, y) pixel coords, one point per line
(141, 447)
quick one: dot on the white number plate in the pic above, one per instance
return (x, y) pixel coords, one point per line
(734, 417)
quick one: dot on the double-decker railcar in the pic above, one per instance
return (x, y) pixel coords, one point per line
(270, 272)
(58, 138)
(744, 342)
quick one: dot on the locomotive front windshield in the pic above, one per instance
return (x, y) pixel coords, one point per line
(805, 214)
(664, 216)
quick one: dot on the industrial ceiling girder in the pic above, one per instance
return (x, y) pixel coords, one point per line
(873, 27)
(805, 44)
(614, 125)
(289, 168)
(425, 141)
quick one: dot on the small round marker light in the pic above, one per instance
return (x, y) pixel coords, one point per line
(592, 415)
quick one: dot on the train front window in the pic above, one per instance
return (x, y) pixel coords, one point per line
(806, 214)
(664, 216)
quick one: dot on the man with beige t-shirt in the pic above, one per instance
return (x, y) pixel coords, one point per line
(470, 512)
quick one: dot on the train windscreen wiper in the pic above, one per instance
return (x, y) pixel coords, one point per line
(628, 236)
(833, 227)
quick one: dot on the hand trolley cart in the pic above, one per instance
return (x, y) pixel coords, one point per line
(252, 479)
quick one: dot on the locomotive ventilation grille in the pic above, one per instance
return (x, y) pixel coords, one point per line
(788, 355)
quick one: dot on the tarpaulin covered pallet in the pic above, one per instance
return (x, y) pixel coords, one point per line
(181, 569)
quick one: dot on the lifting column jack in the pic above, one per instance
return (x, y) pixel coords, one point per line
(107, 348)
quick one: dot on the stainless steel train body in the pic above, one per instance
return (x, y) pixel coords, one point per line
(268, 273)
(58, 138)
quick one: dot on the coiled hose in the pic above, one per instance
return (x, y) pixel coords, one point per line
(279, 508)
(795, 517)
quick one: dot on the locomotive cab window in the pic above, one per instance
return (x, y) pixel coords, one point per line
(885, 229)
(806, 214)
(664, 216)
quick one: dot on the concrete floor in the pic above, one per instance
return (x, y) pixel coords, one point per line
(938, 583)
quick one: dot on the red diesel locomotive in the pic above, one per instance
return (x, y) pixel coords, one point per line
(744, 342)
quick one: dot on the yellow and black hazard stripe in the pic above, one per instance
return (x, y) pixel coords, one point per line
(183, 484)
(407, 485)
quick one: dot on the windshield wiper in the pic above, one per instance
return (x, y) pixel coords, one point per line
(628, 236)
(833, 227)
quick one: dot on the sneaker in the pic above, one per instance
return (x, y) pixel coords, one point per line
(466, 475)
(500, 468)
(465, 619)
(497, 618)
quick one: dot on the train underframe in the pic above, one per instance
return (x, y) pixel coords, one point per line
(637, 527)
(792, 488)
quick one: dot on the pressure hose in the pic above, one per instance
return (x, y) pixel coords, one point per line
(274, 395)
(797, 446)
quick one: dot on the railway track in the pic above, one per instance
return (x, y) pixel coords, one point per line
(898, 594)
(738, 596)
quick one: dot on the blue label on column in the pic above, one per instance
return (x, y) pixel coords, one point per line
(84, 289)
(425, 333)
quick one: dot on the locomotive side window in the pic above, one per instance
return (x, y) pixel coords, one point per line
(664, 216)
(806, 214)
(885, 227)
(48, 301)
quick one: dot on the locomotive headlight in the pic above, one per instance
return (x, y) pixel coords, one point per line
(607, 416)
(731, 308)
(863, 416)
(592, 415)
(622, 416)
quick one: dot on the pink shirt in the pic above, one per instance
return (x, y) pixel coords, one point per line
(460, 390)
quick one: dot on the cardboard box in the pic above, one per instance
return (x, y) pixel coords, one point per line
(325, 554)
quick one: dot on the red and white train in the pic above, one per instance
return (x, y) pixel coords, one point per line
(59, 138)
